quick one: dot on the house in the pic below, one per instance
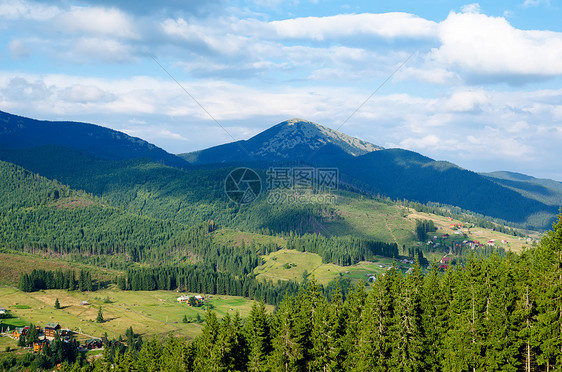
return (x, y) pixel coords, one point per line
(445, 236)
(446, 260)
(40, 344)
(84, 303)
(51, 329)
(199, 298)
(20, 331)
(372, 278)
(2, 310)
(93, 343)
(183, 299)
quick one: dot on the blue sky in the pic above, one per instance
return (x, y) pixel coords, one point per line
(481, 87)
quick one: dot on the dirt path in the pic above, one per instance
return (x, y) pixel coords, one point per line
(391, 233)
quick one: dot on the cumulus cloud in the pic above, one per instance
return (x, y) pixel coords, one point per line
(386, 25)
(97, 21)
(489, 48)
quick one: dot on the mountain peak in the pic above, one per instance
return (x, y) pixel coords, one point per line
(304, 134)
(292, 140)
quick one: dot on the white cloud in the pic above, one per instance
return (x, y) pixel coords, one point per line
(466, 101)
(431, 75)
(386, 25)
(490, 48)
(97, 21)
(534, 3)
(85, 94)
(471, 8)
(89, 49)
(21, 9)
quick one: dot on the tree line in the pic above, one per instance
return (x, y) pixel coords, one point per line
(342, 250)
(39, 279)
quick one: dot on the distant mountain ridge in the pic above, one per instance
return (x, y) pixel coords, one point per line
(544, 190)
(57, 149)
(294, 139)
(20, 132)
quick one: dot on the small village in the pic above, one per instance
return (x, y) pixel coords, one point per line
(47, 334)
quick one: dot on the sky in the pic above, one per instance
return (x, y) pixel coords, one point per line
(476, 84)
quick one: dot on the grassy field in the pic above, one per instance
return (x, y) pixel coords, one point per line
(290, 265)
(15, 263)
(373, 219)
(149, 313)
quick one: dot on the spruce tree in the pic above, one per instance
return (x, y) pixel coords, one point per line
(57, 303)
(99, 318)
(258, 335)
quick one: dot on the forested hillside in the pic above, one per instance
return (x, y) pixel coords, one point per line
(497, 313)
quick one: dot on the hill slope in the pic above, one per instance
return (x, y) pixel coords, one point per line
(21, 132)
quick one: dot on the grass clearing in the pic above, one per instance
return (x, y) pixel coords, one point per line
(373, 219)
(14, 263)
(274, 267)
(148, 312)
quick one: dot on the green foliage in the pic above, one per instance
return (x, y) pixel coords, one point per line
(58, 279)
(423, 227)
(57, 304)
(342, 250)
(99, 317)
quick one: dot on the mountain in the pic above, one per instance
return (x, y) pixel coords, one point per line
(395, 173)
(544, 190)
(18, 132)
(291, 140)
(113, 165)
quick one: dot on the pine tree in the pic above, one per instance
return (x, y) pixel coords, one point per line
(99, 318)
(287, 352)
(259, 337)
(57, 303)
(32, 335)
(206, 357)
